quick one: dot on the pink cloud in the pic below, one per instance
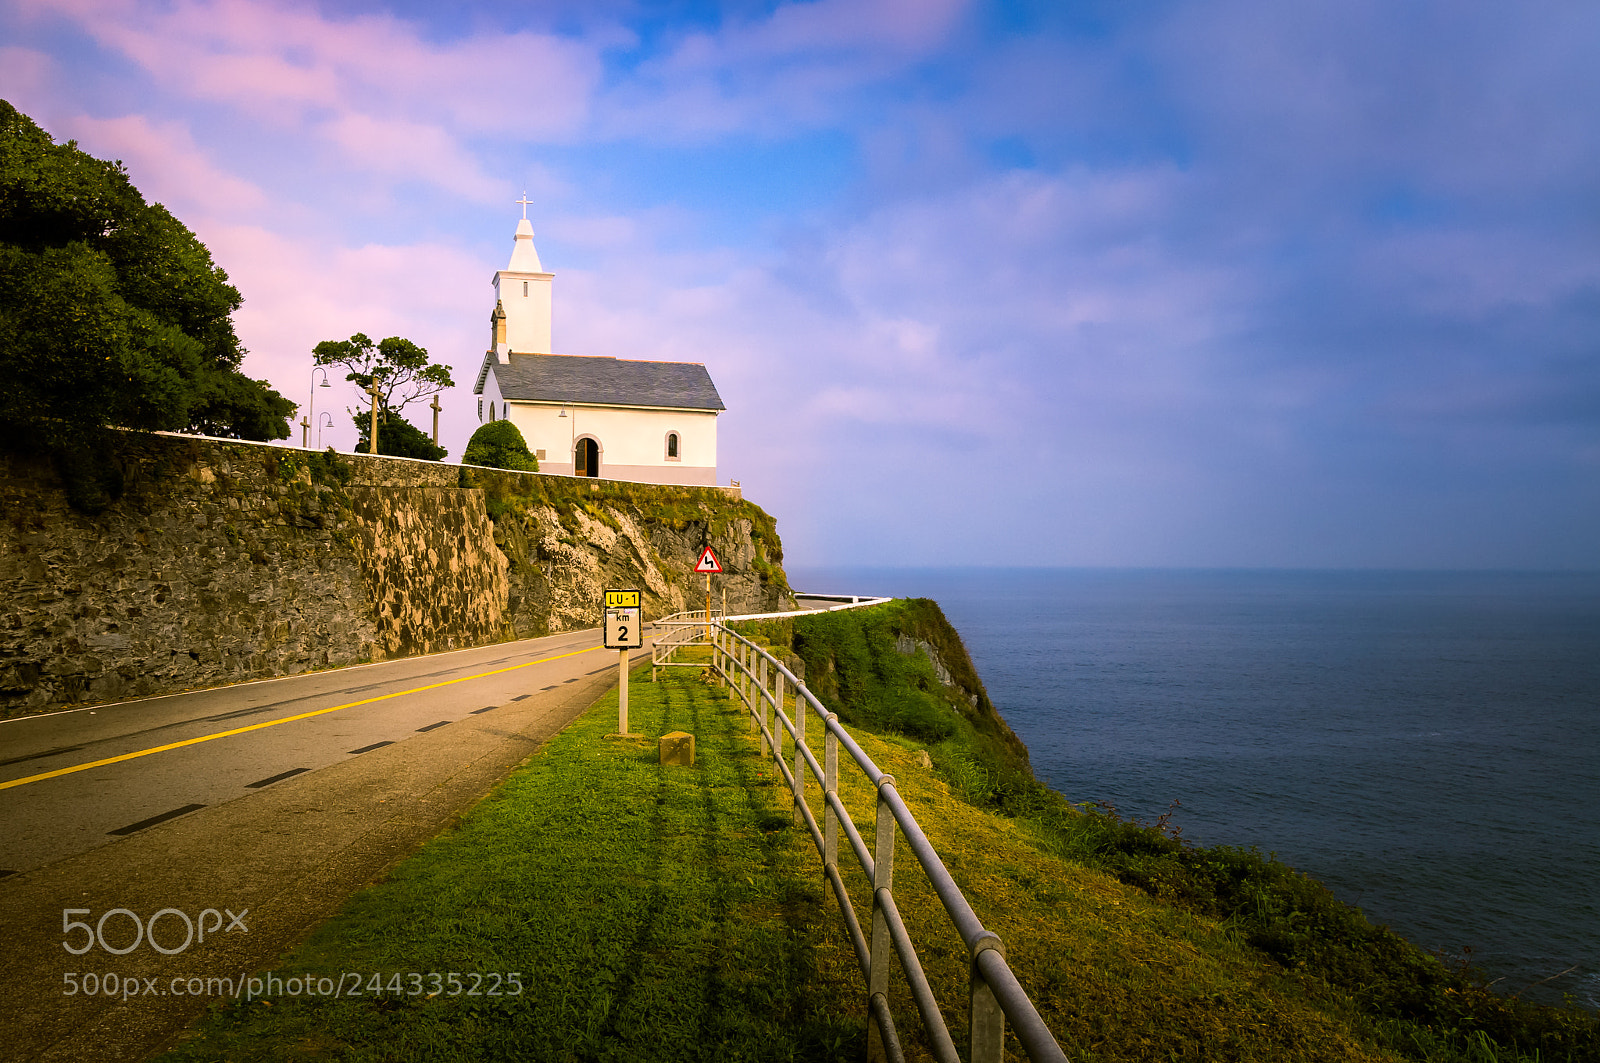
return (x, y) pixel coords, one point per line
(166, 165)
(416, 151)
(24, 76)
(300, 292)
(371, 84)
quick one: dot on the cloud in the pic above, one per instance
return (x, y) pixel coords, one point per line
(801, 65)
(166, 165)
(24, 75)
(412, 151)
(299, 292)
(370, 84)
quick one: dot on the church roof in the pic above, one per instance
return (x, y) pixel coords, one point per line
(607, 382)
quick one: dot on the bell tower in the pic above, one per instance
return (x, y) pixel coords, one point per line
(522, 297)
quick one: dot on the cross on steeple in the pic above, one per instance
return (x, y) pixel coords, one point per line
(525, 201)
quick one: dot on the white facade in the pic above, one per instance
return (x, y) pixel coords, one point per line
(633, 443)
(635, 440)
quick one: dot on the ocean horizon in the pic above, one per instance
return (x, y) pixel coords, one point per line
(1424, 742)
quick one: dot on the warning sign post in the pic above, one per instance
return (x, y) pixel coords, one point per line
(708, 564)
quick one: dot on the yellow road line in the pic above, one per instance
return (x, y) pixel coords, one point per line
(286, 719)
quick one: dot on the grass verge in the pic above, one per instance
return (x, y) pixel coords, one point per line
(652, 913)
(668, 913)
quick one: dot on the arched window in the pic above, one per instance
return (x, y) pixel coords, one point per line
(492, 417)
(672, 446)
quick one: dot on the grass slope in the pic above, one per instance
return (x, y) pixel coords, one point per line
(900, 669)
(669, 914)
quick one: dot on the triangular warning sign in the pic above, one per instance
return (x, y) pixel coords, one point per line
(708, 562)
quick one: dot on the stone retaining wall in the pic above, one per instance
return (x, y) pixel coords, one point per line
(223, 562)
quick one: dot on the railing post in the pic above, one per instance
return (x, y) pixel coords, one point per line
(744, 674)
(801, 770)
(777, 709)
(763, 700)
(830, 785)
(985, 1021)
(882, 951)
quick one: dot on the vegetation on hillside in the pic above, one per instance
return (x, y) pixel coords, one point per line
(1411, 1002)
(111, 314)
(666, 505)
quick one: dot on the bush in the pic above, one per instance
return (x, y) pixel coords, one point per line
(498, 445)
(397, 437)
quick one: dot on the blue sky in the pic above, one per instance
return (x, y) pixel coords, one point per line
(1223, 284)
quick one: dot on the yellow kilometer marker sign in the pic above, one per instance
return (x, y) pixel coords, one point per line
(624, 631)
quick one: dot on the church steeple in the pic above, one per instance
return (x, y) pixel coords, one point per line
(524, 256)
(522, 292)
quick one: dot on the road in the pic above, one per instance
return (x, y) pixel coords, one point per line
(279, 797)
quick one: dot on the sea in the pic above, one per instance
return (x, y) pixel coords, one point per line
(1427, 744)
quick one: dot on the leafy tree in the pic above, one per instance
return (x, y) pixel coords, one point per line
(498, 445)
(111, 311)
(397, 436)
(400, 367)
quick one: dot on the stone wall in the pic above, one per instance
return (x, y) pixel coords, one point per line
(223, 562)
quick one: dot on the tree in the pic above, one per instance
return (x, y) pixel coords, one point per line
(111, 311)
(399, 367)
(397, 436)
(499, 445)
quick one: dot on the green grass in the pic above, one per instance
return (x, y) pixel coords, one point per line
(653, 913)
(665, 914)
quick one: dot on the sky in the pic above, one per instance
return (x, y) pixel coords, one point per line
(1226, 284)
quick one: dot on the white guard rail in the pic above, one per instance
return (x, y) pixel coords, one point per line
(995, 996)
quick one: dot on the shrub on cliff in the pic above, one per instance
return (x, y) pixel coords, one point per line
(498, 445)
(111, 311)
(397, 437)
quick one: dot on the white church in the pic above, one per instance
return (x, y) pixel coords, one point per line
(652, 422)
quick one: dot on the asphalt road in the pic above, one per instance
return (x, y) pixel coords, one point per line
(279, 797)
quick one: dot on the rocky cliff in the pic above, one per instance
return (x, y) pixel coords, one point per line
(222, 561)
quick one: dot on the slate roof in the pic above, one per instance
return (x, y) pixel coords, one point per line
(607, 382)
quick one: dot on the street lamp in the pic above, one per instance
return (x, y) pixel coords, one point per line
(572, 442)
(323, 424)
(311, 411)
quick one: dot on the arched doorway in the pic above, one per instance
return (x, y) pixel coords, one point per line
(586, 458)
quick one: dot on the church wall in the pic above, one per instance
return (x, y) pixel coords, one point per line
(491, 395)
(634, 440)
(226, 561)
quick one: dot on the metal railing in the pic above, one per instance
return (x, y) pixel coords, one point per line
(995, 997)
(681, 629)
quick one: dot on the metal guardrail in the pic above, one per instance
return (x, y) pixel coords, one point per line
(995, 996)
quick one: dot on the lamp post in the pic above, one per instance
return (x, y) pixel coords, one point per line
(572, 439)
(323, 424)
(311, 410)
